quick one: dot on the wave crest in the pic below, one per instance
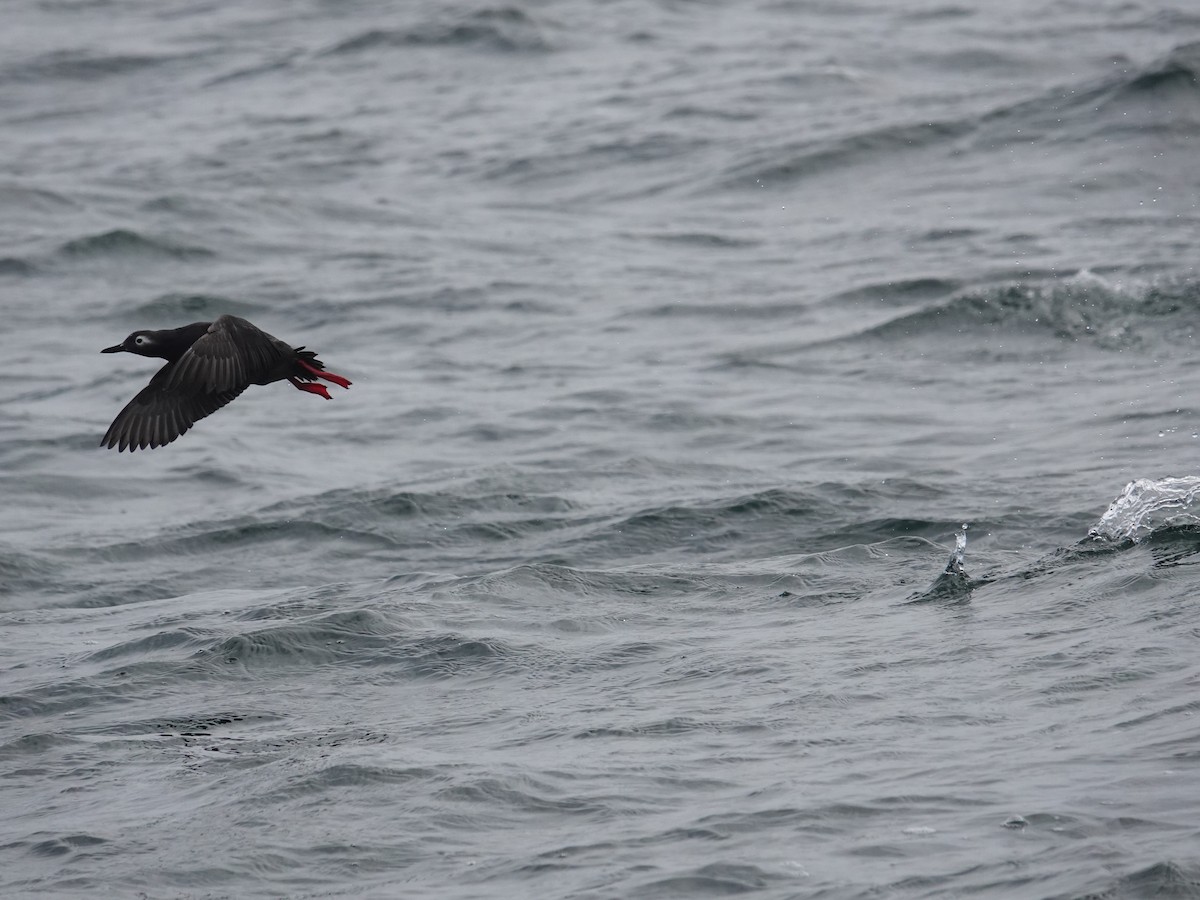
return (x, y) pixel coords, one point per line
(1147, 506)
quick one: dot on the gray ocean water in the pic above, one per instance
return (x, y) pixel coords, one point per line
(685, 337)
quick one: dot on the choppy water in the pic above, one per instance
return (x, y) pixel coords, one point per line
(685, 337)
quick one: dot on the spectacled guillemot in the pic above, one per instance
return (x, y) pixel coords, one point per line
(208, 364)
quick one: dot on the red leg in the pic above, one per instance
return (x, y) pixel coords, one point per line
(339, 380)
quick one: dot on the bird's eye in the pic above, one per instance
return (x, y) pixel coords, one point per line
(139, 340)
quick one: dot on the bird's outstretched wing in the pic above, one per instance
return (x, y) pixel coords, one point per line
(231, 355)
(159, 413)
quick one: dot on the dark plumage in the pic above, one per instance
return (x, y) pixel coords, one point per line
(208, 364)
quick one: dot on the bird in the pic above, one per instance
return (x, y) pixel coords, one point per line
(208, 365)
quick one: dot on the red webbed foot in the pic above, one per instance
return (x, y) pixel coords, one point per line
(312, 388)
(339, 380)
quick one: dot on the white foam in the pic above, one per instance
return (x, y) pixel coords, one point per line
(1147, 505)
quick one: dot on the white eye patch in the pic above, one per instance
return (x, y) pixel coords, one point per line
(141, 339)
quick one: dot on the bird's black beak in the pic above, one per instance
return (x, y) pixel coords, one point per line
(116, 349)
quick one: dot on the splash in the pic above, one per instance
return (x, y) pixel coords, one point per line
(953, 583)
(1147, 505)
(960, 548)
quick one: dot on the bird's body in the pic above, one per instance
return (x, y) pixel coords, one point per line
(208, 365)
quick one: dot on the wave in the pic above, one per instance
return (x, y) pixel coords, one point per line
(657, 151)
(38, 201)
(1085, 307)
(20, 572)
(762, 523)
(123, 242)
(1163, 95)
(1175, 76)
(800, 160)
(905, 290)
(953, 583)
(14, 266)
(1154, 96)
(371, 532)
(506, 29)
(279, 64)
(703, 239)
(84, 65)
(1162, 513)
(167, 308)
(1150, 506)
(1165, 878)
(730, 542)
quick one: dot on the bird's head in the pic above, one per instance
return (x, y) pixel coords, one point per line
(143, 343)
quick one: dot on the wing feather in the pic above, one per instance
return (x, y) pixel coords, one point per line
(159, 413)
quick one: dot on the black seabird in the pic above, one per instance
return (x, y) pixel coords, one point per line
(208, 364)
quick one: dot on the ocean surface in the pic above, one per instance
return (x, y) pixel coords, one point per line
(686, 337)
